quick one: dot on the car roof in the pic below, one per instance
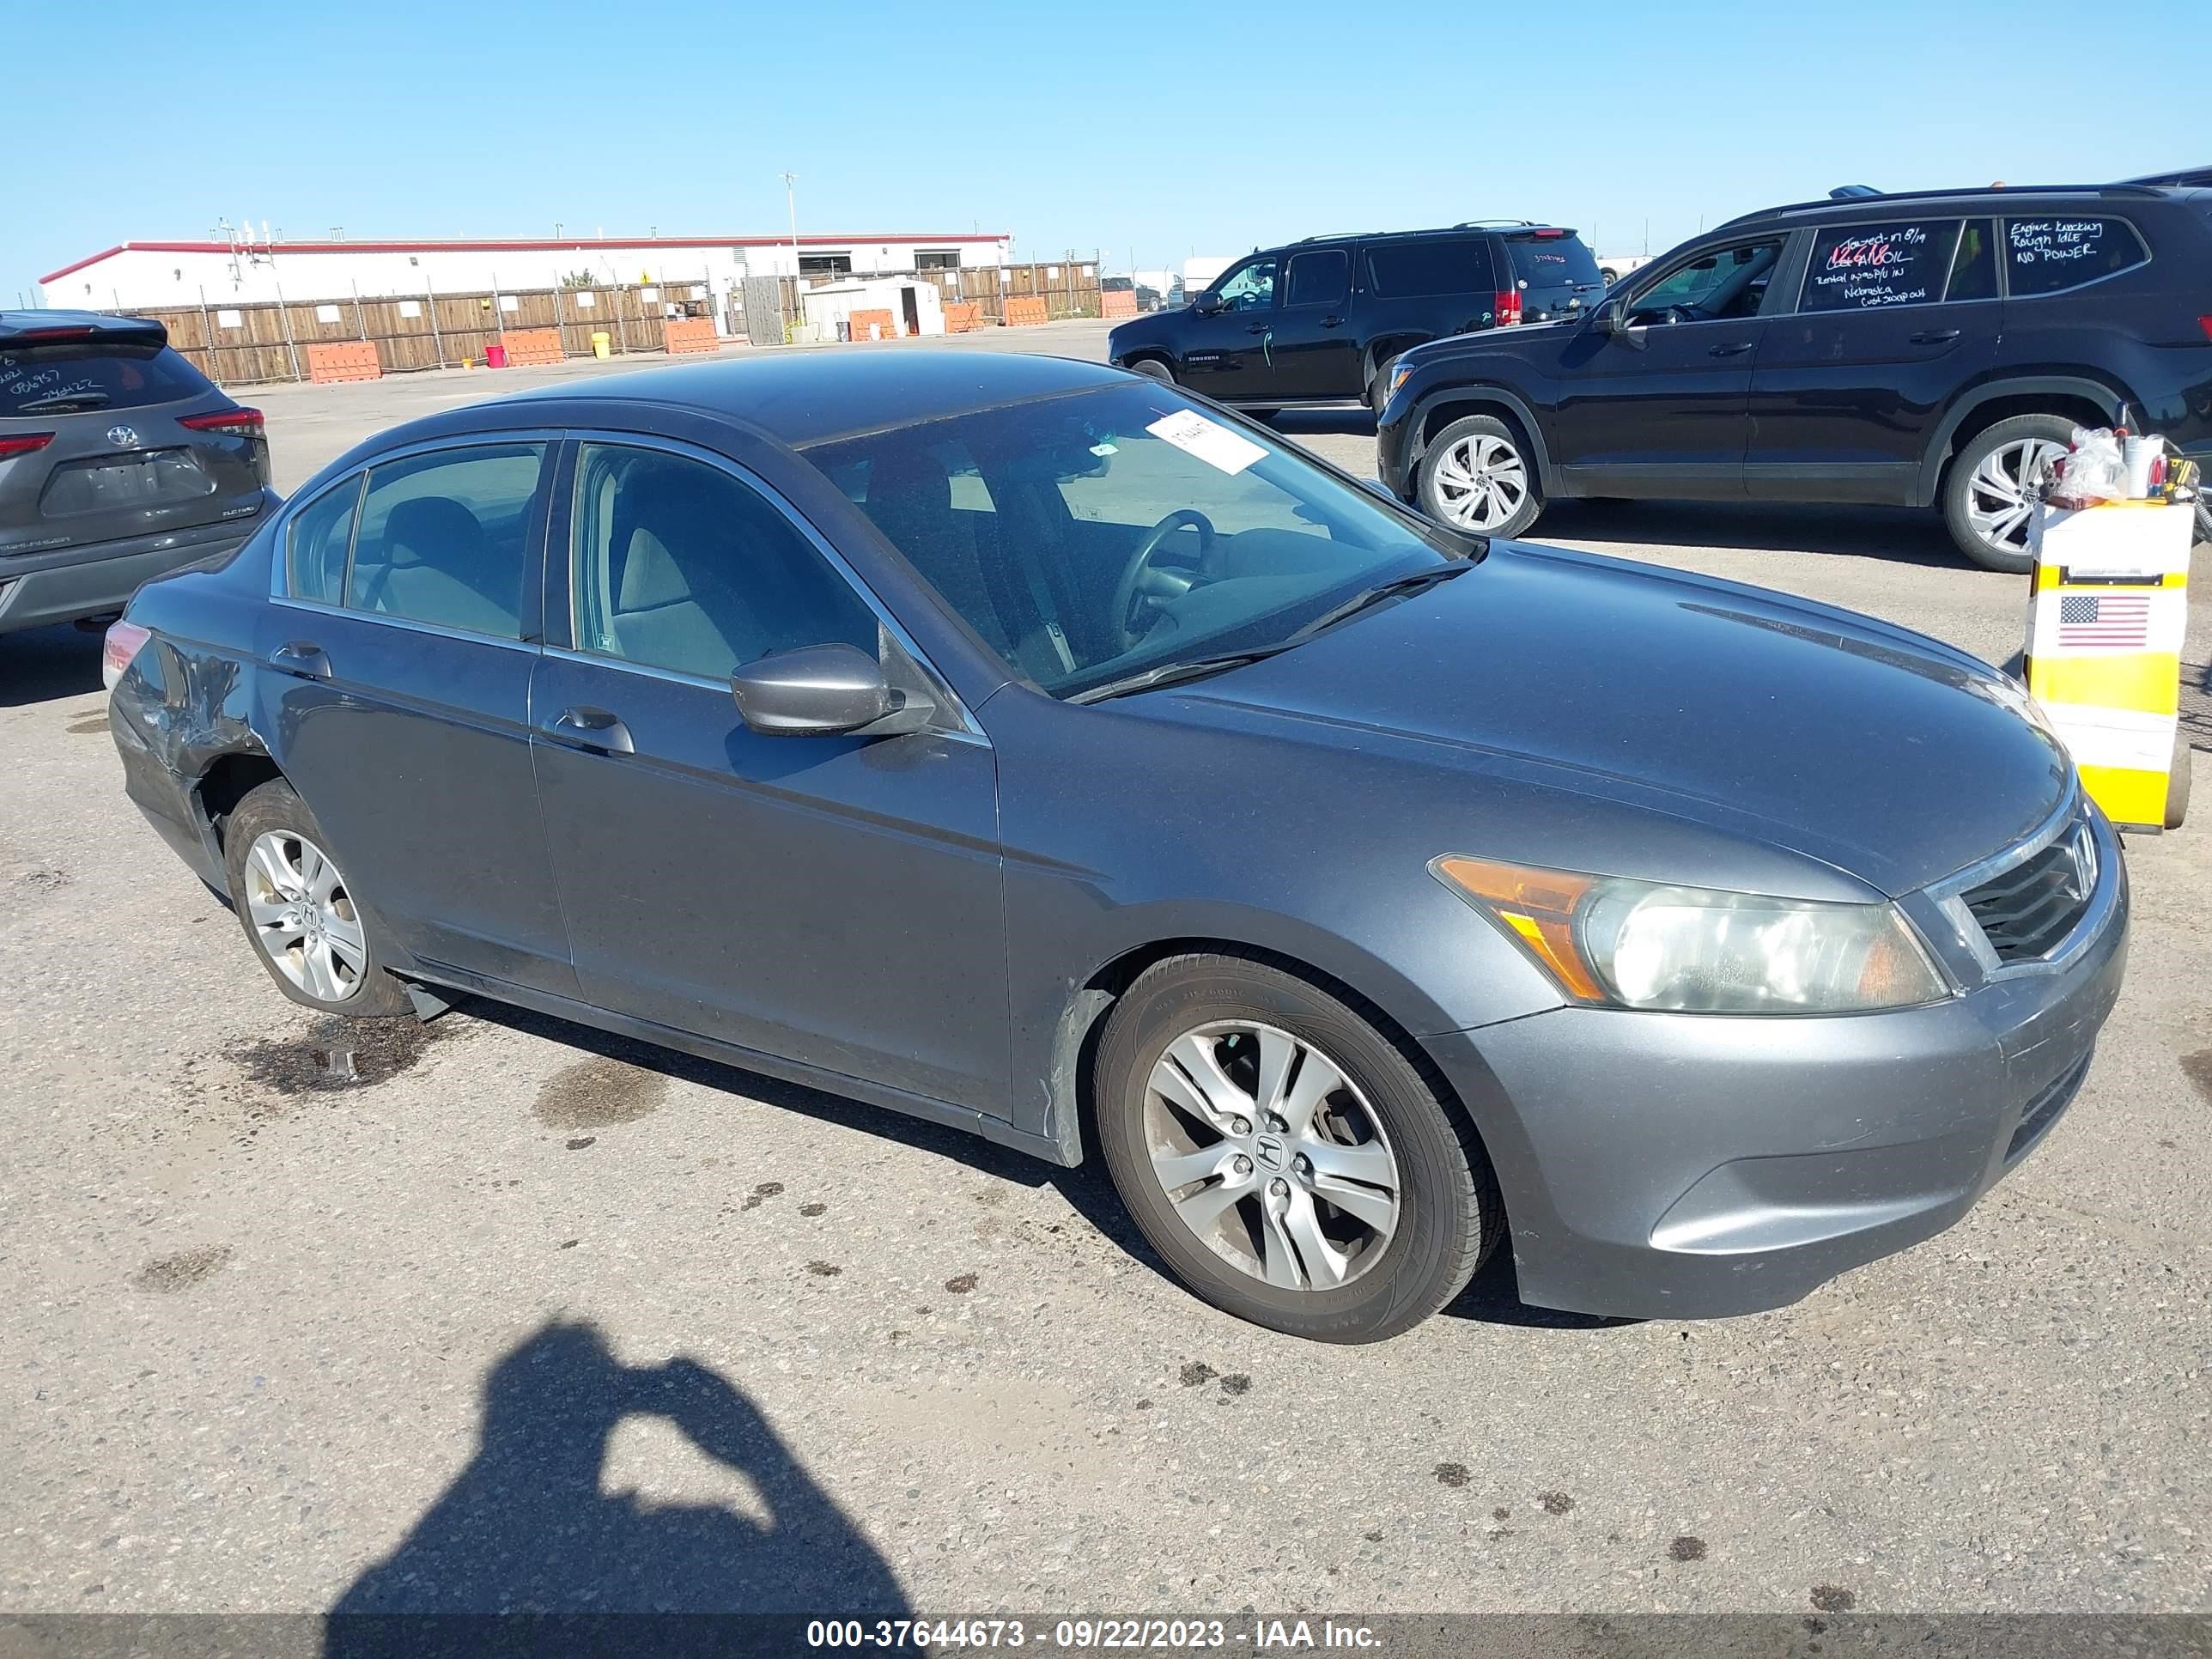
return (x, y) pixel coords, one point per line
(801, 397)
(17, 324)
(1466, 228)
(2011, 198)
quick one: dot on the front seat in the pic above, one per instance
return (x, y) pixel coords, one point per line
(681, 613)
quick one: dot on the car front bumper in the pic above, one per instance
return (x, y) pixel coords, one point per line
(40, 589)
(1661, 1165)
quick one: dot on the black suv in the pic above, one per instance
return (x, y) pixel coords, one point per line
(1316, 325)
(1932, 348)
(118, 462)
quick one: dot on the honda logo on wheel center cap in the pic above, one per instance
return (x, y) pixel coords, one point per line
(1269, 1151)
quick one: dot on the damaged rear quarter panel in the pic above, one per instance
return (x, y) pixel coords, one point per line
(185, 702)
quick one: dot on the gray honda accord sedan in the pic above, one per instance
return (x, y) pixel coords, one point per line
(1028, 746)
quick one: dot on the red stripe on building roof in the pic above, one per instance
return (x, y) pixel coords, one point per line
(534, 245)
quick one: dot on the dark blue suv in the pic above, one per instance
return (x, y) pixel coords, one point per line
(1930, 349)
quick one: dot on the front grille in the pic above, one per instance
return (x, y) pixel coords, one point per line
(2043, 1111)
(2027, 912)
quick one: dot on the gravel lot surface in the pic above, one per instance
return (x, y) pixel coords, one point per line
(499, 1310)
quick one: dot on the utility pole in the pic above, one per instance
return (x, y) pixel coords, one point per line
(791, 205)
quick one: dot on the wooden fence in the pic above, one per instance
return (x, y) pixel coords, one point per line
(233, 344)
(243, 343)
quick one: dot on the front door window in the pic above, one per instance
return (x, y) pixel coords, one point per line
(1720, 284)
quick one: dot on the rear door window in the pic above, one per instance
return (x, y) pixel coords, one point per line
(1457, 265)
(444, 537)
(1880, 267)
(2048, 256)
(1320, 277)
(75, 375)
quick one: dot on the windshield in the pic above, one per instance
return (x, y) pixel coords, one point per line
(1096, 534)
(96, 373)
(1553, 262)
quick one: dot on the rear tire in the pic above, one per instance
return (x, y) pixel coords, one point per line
(1245, 1217)
(2177, 783)
(299, 911)
(1989, 491)
(1477, 476)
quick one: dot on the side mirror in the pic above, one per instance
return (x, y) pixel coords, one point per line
(1613, 322)
(825, 690)
(1207, 305)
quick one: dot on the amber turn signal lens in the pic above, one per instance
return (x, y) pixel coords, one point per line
(1539, 907)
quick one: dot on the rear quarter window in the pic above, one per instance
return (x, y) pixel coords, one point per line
(81, 374)
(1459, 264)
(2049, 256)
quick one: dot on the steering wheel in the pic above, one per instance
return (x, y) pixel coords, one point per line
(1141, 579)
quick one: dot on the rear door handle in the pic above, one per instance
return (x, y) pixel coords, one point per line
(585, 727)
(1331, 322)
(1734, 349)
(1258, 328)
(1936, 337)
(301, 657)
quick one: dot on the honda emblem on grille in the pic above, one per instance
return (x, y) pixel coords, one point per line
(123, 437)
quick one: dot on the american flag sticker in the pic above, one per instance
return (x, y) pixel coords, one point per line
(2104, 621)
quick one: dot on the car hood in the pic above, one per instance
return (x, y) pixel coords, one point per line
(1830, 735)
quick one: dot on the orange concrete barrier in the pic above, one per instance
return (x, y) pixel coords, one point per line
(685, 334)
(1118, 302)
(877, 324)
(1023, 309)
(356, 361)
(533, 346)
(963, 319)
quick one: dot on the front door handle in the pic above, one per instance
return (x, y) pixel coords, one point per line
(1936, 337)
(1258, 328)
(301, 657)
(1331, 322)
(1734, 349)
(585, 727)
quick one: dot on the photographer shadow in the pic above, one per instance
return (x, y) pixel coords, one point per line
(526, 1528)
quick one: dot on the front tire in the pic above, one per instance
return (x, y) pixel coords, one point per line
(1154, 369)
(1288, 1161)
(1477, 476)
(298, 909)
(1990, 493)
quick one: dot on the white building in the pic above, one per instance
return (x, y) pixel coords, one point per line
(915, 307)
(145, 275)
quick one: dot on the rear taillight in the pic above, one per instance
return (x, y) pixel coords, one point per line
(48, 336)
(124, 641)
(2205, 322)
(238, 423)
(1505, 307)
(24, 443)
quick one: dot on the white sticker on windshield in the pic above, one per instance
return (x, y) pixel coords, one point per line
(1211, 442)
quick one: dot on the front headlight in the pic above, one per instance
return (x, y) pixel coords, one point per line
(1694, 949)
(1397, 379)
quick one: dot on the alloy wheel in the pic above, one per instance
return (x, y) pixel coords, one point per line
(2000, 495)
(302, 916)
(1271, 1155)
(1481, 481)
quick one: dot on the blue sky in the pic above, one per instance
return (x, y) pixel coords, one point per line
(1157, 129)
